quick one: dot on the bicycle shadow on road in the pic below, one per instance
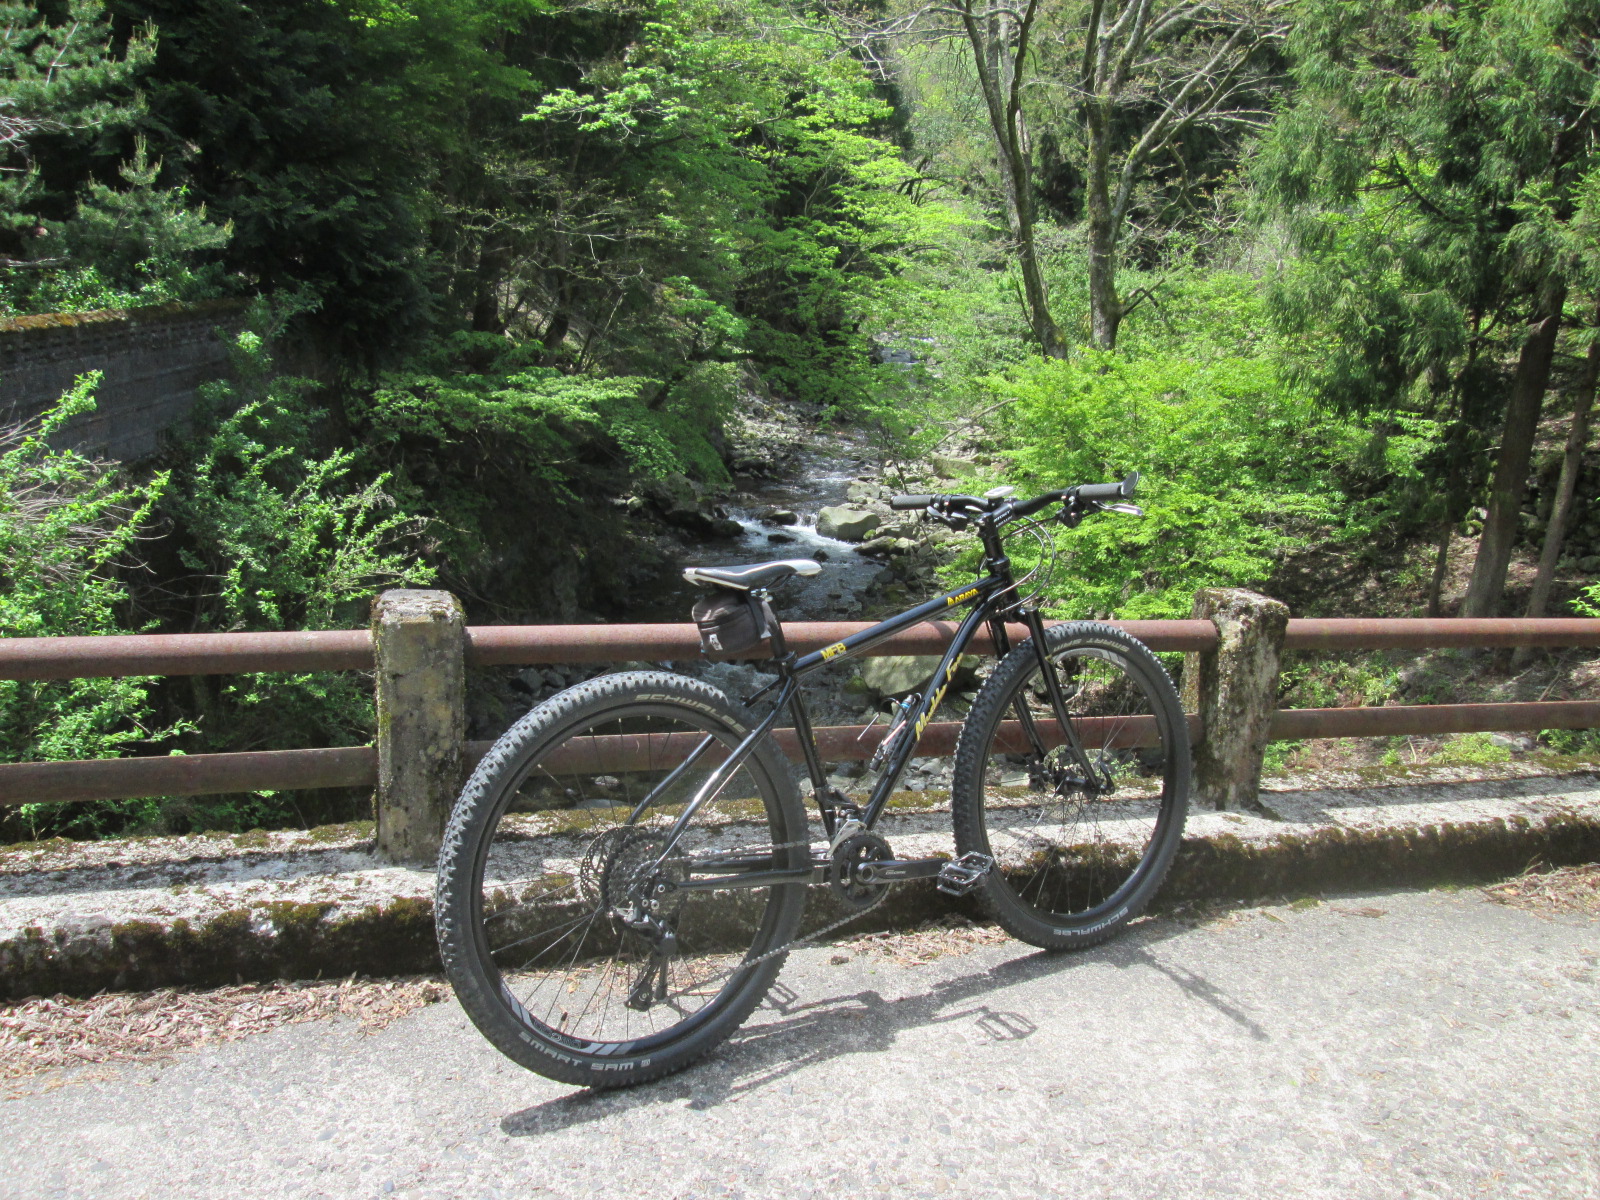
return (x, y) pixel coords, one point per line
(786, 1036)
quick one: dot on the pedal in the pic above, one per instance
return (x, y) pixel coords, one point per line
(961, 875)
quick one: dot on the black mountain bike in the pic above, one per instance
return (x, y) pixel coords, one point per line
(624, 873)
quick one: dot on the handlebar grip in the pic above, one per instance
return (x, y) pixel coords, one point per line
(908, 502)
(1110, 491)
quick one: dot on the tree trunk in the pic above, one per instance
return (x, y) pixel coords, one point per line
(492, 263)
(1105, 306)
(1441, 563)
(992, 55)
(1511, 473)
(1566, 489)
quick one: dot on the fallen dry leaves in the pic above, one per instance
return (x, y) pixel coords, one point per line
(951, 934)
(1563, 890)
(42, 1034)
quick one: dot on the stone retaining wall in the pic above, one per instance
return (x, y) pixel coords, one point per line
(214, 909)
(153, 361)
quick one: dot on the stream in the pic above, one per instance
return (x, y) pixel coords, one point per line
(817, 479)
(814, 476)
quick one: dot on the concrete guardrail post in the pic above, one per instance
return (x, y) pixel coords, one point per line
(1235, 690)
(419, 643)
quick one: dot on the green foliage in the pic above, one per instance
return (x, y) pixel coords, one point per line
(144, 237)
(1363, 680)
(1238, 465)
(286, 538)
(317, 129)
(66, 522)
(1588, 601)
(1275, 760)
(723, 194)
(1469, 750)
(551, 417)
(1579, 743)
(124, 246)
(1430, 173)
(67, 92)
(63, 81)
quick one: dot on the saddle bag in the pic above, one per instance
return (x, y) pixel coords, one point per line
(731, 622)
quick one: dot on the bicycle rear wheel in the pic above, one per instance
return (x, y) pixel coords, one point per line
(1073, 863)
(562, 918)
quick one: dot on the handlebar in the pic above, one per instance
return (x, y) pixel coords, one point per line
(947, 506)
(1122, 490)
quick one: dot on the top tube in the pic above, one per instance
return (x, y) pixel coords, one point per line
(978, 591)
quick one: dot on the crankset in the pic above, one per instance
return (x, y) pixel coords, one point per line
(863, 867)
(851, 875)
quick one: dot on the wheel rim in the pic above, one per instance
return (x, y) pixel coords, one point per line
(563, 868)
(1061, 854)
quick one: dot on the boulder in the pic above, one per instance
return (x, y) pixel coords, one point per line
(780, 537)
(692, 521)
(847, 524)
(887, 546)
(948, 466)
(777, 516)
(896, 675)
(698, 523)
(671, 492)
(863, 493)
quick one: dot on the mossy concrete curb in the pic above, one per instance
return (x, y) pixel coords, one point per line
(78, 918)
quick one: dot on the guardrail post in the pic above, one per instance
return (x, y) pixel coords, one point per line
(1234, 688)
(419, 643)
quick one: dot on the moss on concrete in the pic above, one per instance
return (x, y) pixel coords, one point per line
(1337, 858)
(317, 938)
(279, 940)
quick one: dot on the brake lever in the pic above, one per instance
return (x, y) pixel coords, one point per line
(1075, 510)
(950, 520)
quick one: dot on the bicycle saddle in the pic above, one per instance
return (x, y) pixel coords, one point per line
(753, 575)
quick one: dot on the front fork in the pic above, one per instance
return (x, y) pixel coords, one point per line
(1096, 781)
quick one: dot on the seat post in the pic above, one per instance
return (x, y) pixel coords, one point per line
(780, 648)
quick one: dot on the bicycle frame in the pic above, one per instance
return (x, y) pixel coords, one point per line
(985, 597)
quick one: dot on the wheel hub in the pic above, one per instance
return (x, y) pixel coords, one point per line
(619, 875)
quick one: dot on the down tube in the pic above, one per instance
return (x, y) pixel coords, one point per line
(937, 687)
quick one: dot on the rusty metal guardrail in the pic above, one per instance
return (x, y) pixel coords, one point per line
(527, 645)
(357, 766)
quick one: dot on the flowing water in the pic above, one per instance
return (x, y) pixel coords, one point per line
(819, 479)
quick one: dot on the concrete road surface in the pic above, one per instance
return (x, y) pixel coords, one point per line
(1398, 1045)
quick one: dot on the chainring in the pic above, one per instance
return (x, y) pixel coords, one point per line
(848, 858)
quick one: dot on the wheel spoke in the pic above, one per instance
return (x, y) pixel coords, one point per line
(573, 898)
(1073, 851)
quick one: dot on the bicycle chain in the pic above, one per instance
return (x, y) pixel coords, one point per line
(809, 938)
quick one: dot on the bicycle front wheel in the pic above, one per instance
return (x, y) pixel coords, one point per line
(568, 921)
(1075, 858)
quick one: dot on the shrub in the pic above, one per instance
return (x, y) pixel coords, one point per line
(66, 521)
